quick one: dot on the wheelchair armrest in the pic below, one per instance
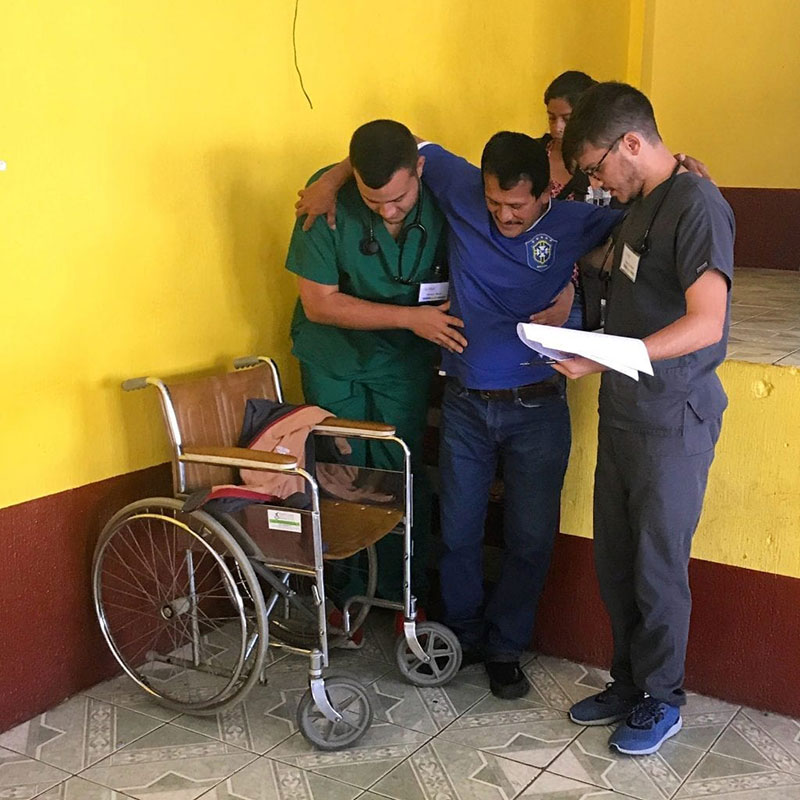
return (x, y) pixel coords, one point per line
(333, 426)
(239, 457)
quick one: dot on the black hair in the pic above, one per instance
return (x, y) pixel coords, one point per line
(605, 113)
(514, 157)
(569, 86)
(381, 147)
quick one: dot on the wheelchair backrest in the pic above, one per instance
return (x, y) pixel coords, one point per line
(208, 412)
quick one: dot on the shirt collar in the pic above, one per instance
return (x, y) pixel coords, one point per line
(546, 212)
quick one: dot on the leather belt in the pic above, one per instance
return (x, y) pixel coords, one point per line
(548, 387)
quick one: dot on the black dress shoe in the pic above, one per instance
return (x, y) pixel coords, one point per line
(507, 680)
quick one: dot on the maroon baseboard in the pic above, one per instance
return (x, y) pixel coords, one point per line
(744, 644)
(51, 643)
(767, 233)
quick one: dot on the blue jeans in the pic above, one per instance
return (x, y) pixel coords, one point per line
(533, 439)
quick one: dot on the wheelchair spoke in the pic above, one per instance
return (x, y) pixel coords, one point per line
(154, 562)
(343, 705)
(149, 567)
(180, 606)
(123, 562)
(117, 591)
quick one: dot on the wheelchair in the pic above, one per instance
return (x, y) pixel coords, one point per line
(190, 601)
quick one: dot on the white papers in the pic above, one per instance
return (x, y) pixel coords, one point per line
(620, 353)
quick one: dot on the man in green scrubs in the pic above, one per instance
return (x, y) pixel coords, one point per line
(371, 312)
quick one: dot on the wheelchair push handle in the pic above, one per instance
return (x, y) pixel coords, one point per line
(132, 384)
(246, 361)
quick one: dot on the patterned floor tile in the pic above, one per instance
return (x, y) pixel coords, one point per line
(654, 777)
(704, 718)
(474, 674)
(170, 762)
(427, 710)
(352, 663)
(555, 787)
(379, 636)
(447, 771)
(266, 779)
(22, 778)
(122, 691)
(558, 683)
(80, 789)
(383, 747)
(265, 718)
(766, 739)
(518, 729)
(724, 777)
(78, 733)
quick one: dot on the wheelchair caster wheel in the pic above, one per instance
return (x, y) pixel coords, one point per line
(444, 649)
(350, 699)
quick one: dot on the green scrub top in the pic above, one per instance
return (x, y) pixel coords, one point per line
(335, 258)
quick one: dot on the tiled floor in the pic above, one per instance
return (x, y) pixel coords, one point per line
(765, 317)
(452, 743)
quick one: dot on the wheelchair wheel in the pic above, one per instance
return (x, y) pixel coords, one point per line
(180, 606)
(351, 700)
(298, 627)
(441, 644)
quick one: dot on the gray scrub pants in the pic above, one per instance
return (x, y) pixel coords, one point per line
(648, 495)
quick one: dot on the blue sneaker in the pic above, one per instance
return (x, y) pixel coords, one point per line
(649, 725)
(610, 705)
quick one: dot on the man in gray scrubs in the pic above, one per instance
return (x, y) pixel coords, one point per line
(670, 285)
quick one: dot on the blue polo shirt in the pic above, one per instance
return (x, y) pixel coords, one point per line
(497, 282)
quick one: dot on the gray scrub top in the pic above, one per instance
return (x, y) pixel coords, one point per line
(692, 231)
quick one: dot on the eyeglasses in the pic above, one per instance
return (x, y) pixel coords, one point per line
(590, 172)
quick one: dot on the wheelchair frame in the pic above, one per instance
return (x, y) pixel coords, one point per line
(427, 654)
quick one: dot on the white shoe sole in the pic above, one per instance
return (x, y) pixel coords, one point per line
(671, 732)
(605, 721)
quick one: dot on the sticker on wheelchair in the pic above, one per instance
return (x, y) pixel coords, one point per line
(285, 520)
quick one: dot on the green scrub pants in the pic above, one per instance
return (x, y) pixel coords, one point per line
(402, 402)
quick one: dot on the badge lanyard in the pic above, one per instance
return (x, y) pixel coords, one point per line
(629, 261)
(644, 247)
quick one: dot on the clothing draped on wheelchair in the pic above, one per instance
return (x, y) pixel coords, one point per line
(192, 590)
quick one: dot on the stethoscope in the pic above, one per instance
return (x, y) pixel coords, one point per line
(369, 245)
(644, 246)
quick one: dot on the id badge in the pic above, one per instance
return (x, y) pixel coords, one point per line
(629, 265)
(433, 292)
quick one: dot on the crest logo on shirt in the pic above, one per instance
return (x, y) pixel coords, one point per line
(541, 251)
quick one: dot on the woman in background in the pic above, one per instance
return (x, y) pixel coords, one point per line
(560, 98)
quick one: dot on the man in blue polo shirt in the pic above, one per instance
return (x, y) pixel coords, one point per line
(499, 402)
(511, 251)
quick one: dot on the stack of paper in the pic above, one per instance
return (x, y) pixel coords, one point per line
(620, 353)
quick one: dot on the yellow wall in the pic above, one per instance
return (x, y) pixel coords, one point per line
(723, 78)
(153, 151)
(751, 517)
